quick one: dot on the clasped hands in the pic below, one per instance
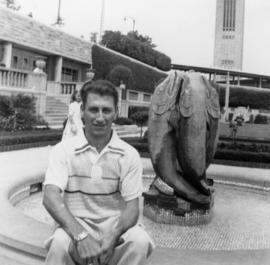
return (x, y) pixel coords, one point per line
(89, 251)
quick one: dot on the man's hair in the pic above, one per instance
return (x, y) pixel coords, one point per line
(99, 87)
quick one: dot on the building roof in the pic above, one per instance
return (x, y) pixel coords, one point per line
(27, 32)
(218, 71)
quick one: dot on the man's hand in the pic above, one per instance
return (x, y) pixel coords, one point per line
(107, 248)
(85, 251)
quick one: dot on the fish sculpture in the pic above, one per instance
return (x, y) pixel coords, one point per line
(182, 136)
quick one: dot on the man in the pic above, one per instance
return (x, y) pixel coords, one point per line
(92, 189)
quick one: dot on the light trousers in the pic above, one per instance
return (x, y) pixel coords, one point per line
(136, 245)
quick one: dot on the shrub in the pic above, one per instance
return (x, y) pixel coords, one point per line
(261, 119)
(34, 136)
(17, 112)
(134, 109)
(123, 121)
(140, 118)
(121, 73)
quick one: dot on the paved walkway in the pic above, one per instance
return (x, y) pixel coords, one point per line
(27, 167)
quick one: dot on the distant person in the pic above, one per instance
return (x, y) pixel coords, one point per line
(73, 124)
(92, 188)
(233, 128)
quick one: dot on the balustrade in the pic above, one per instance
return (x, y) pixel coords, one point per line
(13, 78)
(68, 87)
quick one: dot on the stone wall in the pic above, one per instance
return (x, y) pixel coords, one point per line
(30, 33)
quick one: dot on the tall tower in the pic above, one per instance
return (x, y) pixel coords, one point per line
(229, 34)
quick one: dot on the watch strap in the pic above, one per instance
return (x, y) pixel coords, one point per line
(81, 236)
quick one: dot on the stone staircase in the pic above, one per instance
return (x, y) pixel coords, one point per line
(56, 110)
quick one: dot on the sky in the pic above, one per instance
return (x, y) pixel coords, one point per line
(182, 29)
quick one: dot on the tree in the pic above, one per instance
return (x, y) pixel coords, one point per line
(143, 39)
(121, 73)
(17, 112)
(112, 40)
(136, 46)
(11, 4)
(140, 118)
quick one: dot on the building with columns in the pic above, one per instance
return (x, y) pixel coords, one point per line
(41, 61)
(229, 34)
(45, 62)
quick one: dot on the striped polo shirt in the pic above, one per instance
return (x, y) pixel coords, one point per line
(95, 185)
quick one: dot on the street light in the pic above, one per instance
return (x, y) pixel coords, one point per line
(133, 22)
(101, 20)
(59, 19)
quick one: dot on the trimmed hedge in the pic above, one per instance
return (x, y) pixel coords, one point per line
(242, 156)
(223, 154)
(123, 121)
(31, 137)
(145, 78)
(241, 96)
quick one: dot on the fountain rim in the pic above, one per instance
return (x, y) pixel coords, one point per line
(13, 180)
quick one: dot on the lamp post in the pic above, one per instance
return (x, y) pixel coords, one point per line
(133, 22)
(101, 20)
(59, 20)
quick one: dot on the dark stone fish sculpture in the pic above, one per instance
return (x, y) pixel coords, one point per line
(182, 136)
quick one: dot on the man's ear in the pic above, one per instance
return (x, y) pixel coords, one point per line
(82, 110)
(116, 113)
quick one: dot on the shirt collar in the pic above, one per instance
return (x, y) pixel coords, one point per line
(114, 145)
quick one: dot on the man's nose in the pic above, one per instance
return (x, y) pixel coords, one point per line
(100, 116)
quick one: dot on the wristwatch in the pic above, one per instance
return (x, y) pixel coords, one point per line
(80, 237)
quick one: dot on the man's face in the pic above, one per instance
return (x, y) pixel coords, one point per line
(98, 113)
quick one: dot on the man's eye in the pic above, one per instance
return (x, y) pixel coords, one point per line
(107, 111)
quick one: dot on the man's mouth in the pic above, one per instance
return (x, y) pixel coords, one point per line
(99, 126)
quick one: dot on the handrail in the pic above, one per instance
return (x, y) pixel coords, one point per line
(13, 77)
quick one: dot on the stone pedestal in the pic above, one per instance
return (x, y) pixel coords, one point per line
(170, 209)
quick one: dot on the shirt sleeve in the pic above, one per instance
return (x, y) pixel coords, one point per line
(131, 177)
(57, 171)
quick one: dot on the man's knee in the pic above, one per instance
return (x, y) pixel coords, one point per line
(60, 242)
(140, 240)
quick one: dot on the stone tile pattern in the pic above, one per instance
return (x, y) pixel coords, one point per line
(28, 32)
(240, 221)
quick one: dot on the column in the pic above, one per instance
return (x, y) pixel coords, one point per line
(227, 95)
(58, 69)
(238, 80)
(7, 55)
(260, 82)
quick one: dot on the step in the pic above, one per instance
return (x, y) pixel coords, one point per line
(12, 256)
(48, 106)
(55, 121)
(57, 105)
(56, 113)
(56, 126)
